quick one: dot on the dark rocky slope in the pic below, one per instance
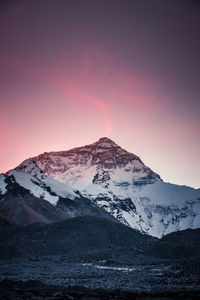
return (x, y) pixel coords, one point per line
(180, 244)
(77, 236)
(19, 207)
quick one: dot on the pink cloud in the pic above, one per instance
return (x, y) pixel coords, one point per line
(92, 81)
(71, 91)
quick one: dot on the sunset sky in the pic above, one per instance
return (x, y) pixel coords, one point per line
(72, 71)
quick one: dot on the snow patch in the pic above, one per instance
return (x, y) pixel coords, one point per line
(2, 185)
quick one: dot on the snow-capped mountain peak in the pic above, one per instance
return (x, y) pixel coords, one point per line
(105, 142)
(114, 179)
(91, 160)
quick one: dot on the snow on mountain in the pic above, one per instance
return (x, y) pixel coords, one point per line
(23, 202)
(119, 182)
(29, 176)
(96, 164)
(115, 180)
(3, 184)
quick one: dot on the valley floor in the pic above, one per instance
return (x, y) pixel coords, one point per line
(59, 277)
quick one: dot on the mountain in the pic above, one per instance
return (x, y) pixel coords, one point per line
(2, 184)
(32, 178)
(113, 179)
(94, 237)
(20, 207)
(181, 244)
(91, 236)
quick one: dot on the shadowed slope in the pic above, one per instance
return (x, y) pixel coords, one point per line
(79, 235)
(18, 206)
(180, 244)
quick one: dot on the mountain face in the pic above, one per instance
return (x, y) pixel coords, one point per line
(113, 179)
(19, 206)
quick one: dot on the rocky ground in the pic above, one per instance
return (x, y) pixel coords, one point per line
(59, 277)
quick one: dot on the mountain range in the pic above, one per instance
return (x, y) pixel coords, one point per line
(97, 180)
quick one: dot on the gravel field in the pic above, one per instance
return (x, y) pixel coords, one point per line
(108, 275)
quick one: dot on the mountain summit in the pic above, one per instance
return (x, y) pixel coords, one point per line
(113, 179)
(106, 142)
(102, 160)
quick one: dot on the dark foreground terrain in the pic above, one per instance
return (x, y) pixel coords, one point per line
(59, 277)
(94, 258)
(29, 291)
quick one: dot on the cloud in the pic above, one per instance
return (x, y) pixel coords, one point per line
(91, 79)
(71, 92)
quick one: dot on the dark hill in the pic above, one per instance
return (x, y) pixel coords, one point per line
(80, 235)
(7, 229)
(180, 244)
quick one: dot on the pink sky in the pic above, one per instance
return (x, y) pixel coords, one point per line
(66, 82)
